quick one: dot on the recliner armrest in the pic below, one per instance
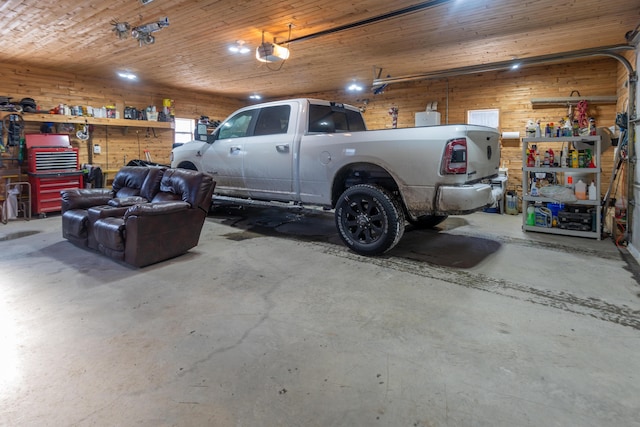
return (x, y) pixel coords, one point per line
(119, 202)
(105, 211)
(159, 208)
(84, 198)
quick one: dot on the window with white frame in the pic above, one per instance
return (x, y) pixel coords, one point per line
(184, 130)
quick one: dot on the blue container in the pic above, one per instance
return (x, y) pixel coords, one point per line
(555, 208)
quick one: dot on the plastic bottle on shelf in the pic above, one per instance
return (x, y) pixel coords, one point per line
(547, 130)
(574, 159)
(592, 126)
(569, 183)
(593, 191)
(581, 190)
(534, 188)
(531, 215)
(538, 132)
(563, 157)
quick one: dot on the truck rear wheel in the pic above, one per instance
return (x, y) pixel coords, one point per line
(369, 219)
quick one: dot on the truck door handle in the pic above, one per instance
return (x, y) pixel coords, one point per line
(282, 148)
(234, 150)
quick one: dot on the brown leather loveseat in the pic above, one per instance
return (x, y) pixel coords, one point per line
(132, 184)
(146, 218)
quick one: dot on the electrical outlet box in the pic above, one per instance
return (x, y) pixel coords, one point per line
(96, 149)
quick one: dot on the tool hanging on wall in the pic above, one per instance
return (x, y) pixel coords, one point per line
(13, 125)
(83, 133)
(621, 157)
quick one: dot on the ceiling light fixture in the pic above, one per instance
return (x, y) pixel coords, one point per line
(142, 33)
(239, 47)
(354, 87)
(127, 75)
(255, 97)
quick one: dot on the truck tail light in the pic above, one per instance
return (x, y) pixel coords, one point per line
(455, 157)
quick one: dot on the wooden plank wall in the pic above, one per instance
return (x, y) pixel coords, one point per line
(510, 92)
(50, 88)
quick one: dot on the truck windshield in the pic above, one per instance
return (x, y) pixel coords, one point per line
(323, 118)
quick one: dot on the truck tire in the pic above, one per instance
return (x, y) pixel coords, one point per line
(187, 165)
(369, 219)
(428, 221)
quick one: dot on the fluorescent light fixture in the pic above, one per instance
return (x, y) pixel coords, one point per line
(255, 96)
(271, 52)
(354, 87)
(126, 75)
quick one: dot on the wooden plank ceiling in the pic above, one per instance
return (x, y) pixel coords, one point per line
(192, 52)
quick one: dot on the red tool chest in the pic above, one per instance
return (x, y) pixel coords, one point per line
(53, 166)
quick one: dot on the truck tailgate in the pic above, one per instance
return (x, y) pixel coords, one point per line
(483, 153)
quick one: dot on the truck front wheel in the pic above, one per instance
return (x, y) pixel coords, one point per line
(369, 219)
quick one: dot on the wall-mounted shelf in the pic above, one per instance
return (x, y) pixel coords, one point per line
(61, 118)
(572, 100)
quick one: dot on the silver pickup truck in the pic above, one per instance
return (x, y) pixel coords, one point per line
(313, 152)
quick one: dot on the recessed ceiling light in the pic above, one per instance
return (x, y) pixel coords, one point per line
(127, 75)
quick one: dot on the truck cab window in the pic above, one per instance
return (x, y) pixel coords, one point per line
(322, 118)
(273, 120)
(238, 126)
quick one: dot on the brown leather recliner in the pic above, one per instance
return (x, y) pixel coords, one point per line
(132, 184)
(168, 226)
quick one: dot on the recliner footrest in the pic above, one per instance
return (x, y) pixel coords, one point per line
(109, 233)
(74, 223)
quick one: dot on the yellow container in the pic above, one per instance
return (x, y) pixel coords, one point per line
(574, 159)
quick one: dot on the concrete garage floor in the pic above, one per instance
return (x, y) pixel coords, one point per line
(270, 321)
